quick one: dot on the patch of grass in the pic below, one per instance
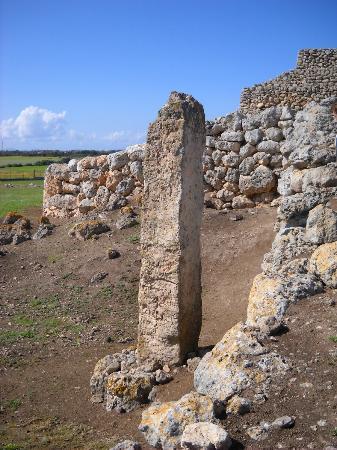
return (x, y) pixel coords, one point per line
(10, 446)
(19, 198)
(23, 320)
(52, 325)
(36, 302)
(11, 336)
(76, 289)
(333, 339)
(54, 258)
(50, 433)
(134, 238)
(334, 432)
(49, 303)
(67, 276)
(14, 404)
(105, 292)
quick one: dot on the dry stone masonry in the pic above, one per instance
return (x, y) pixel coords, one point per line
(245, 153)
(250, 157)
(170, 286)
(314, 78)
(302, 262)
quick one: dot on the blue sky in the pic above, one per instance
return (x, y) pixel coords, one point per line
(93, 73)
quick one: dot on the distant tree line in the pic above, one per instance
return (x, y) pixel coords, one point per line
(63, 156)
(66, 153)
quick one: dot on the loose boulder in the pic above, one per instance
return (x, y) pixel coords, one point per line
(205, 436)
(163, 424)
(88, 228)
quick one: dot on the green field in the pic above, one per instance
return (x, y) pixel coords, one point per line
(4, 160)
(21, 197)
(22, 172)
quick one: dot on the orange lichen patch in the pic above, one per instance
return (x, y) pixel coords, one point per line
(323, 263)
(88, 228)
(167, 421)
(44, 220)
(127, 210)
(136, 200)
(5, 227)
(128, 386)
(11, 217)
(156, 411)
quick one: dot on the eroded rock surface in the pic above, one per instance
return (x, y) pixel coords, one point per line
(170, 287)
(163, 424)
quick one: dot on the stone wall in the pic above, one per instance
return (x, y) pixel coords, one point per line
(245, 154)
(93, 183)
(244, 158)
(314, 78)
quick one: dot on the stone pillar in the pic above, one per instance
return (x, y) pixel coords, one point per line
(170, 280)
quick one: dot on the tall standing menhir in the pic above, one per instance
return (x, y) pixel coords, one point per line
(170, 281)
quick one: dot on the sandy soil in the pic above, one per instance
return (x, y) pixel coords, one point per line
(56, 325)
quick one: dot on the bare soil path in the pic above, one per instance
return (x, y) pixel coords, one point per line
(56, 324)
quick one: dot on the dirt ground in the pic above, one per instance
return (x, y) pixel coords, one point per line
(56, 324)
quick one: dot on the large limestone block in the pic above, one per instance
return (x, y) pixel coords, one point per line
(270, 296)
(318, 177)
(266, 302)
(170, 287)
(321, 225)
(163, 423)
(237, 362)
(261, 180)
(323, 263)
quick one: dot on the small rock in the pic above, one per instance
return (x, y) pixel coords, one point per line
(236, 217)
(162, 377)
(153, 394)
(113, 254)
(88, 228)
(98, 277)
(192, 364)
(284, 422)
(166, 369)
(238, 405)
(322, 423)
(259, 432)
(43, 231)
(127, 445)
(126, 222)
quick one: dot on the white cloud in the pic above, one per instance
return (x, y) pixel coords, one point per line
(34, 123)
(36, 127)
